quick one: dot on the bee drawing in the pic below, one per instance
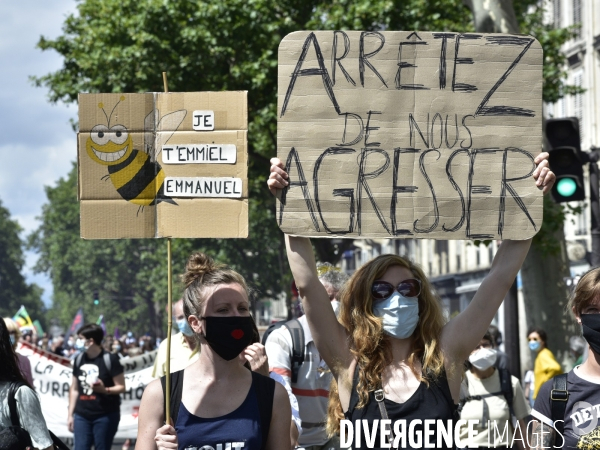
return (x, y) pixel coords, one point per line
(135, 174)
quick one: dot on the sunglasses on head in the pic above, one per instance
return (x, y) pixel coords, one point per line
(407, 288)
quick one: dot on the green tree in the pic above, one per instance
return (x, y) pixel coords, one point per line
(14, 290)
(124, 45)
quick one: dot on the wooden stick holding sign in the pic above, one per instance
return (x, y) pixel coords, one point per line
(409, 134)
(169, 312)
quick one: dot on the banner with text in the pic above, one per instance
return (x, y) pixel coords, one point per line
(52, 378)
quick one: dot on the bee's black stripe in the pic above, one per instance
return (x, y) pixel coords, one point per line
(117, 167)
(140, 180)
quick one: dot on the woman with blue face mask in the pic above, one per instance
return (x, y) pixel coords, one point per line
(392, 354)
(545, 365)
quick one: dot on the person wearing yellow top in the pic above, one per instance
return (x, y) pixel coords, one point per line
(183, 346)
(546, 366)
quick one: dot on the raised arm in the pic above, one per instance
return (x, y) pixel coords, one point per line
(329, 335)
(461, 335)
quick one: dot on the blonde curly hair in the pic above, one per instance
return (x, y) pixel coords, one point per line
(368, 343)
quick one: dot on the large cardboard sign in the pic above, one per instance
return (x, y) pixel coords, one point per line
(163, 165)
(409, 134)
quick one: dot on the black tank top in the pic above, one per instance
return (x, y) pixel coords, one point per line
(427, 403)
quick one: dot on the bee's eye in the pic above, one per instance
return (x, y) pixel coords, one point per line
(118, 134)
(99, 135)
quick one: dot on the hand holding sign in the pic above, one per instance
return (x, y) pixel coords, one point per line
(543, 175)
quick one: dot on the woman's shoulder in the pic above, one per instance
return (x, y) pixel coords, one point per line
(154, 390)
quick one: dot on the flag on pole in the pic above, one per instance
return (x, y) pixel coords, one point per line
(23, 320)
(76, 324)
(100, 322)
(38, 327)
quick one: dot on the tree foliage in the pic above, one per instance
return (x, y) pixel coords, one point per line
(14, 290)
(123, 46)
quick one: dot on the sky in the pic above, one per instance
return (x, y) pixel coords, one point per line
(38, 144)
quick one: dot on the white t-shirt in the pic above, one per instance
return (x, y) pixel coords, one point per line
(499, 414)
(30, 414)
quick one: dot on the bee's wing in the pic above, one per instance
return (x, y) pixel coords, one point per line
(150, 123)
(169, 122)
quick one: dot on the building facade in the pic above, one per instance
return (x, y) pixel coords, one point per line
(583, 68)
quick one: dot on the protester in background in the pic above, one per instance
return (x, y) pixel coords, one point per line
(28, 404)
(579, 427)
(314, 377)
(183, 345)
(529, 386)
(391, 336)
(146, 344)
(24, 364)
(27, 336)
(482, 399)
(130, 340)
(56, 346)
(220, 403)
(116, 349)
(545, 366)
(107, 343)
(577, 346)
(502, 359)
(94, 398)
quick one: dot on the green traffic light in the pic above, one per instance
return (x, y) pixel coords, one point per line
(96, 302)
(566, 187)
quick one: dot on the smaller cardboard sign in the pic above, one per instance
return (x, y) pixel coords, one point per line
(124, 190)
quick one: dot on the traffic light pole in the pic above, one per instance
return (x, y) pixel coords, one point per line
(594, 156)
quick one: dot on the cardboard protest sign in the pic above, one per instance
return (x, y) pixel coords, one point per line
(163, 165)
(409, 134)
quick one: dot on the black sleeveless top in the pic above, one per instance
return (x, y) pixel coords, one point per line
(427, 403)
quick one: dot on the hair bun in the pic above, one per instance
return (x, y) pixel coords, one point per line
(197, 266)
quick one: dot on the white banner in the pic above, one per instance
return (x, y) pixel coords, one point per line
(52, 378)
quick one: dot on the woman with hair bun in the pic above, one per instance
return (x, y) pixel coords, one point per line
(392, 353)
(223, 404)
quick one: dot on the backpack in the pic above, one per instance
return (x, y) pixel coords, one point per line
(106, 357)
(505, 390)
(297, 333)
(559, 395)
(265, 392)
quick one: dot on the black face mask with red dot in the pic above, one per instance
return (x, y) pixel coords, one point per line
(228, 336)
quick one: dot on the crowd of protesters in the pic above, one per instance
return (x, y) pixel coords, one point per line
(127, 345)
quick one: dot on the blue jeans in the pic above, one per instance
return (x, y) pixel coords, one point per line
(99, 432)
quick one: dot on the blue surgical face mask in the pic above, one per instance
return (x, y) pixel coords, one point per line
(534, 346)
(12, 339)
(184, 327)
(400, 315)
(79, 344)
